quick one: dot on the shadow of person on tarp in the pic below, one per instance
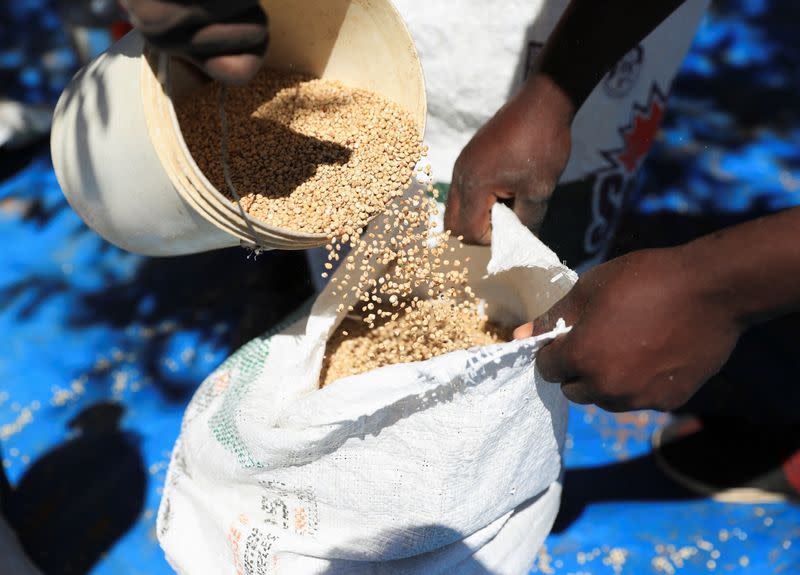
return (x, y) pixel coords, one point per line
(78, 499)
(631, 481)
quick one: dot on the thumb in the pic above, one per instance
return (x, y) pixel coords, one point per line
(531, 210)
(565, 309)
(545, 323)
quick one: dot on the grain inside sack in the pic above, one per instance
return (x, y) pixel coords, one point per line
(411, 284)
(306, 155)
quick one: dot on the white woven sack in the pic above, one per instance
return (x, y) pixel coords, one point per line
(451, 465)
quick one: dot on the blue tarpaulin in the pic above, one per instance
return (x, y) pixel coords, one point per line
(101, 350)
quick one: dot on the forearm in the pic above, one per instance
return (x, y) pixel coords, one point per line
(592, 36)
(753, 269)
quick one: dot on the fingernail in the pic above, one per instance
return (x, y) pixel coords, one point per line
(524, 332)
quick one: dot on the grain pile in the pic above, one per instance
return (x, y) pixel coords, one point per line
(305, 155)
(429, 329)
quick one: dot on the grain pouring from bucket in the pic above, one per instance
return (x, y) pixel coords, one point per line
(317, 156)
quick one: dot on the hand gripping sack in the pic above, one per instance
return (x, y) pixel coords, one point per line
(450, 465)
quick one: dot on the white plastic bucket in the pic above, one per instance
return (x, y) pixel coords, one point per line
(119, 154)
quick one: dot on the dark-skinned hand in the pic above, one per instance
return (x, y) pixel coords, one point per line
(517, 157)
(646, 335)
(225, 38)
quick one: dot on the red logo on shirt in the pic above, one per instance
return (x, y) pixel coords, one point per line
(614, 182)
(639, 135)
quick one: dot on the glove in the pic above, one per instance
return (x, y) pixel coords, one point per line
(225, 38)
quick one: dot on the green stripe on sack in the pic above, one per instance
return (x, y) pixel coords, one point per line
(245, 366)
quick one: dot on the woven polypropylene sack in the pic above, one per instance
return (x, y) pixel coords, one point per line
(450, 465)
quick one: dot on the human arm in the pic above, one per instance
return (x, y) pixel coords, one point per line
(652, 327)
(225, 38)
(520, 153)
